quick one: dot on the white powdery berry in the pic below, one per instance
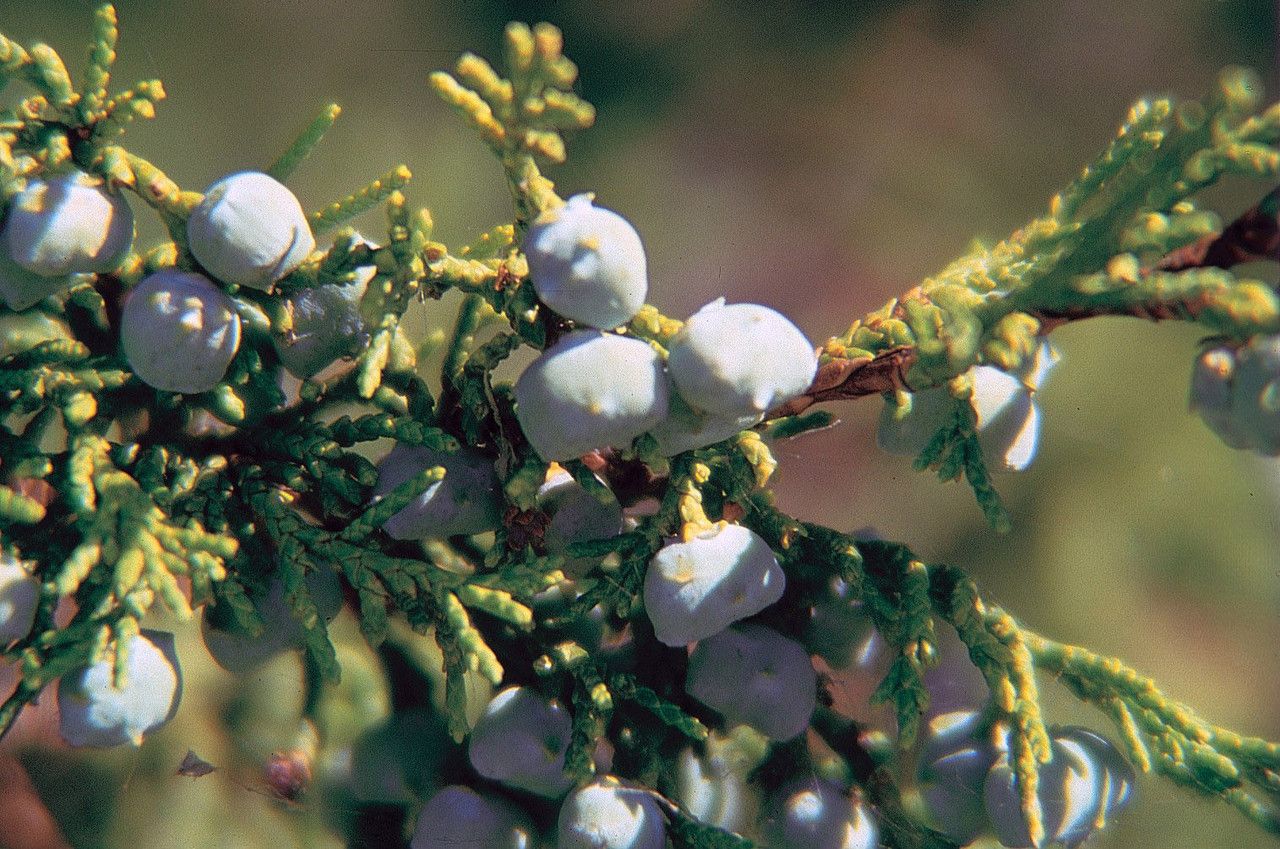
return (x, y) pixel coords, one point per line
(460, 818)
(1008, 420)
(755, 676)
(816, 814)
(327, 325)
(521, 740)
(740, 359)
(590, 390)
(19, 597)
(1211, 394)
(1069, 792)
(179, 331)
(1118, 776)
(93, 712)
(466, 501)
(577, 515)
(1084, 793)
(69, 224)
(953, 768)
(840, 630)
(606, 814)
(1255, 394)
(685, 429)
(587, 263)
(239, 652)
(698, 588)
(249, 229)
(1007, 417)
(20, 289)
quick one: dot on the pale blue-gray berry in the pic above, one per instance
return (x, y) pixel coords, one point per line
(685, 429)
(752, 674)
(249, 229)
(521, 740)
(92, 711)
(606, 814)
(1211, 394)
(56, 233)
(460, 818)
(1255, 394)
(467, 500)
(1117, 781)
(1008, 420)
(587, 263)
(590, 390)
(326, 326)
(814, 813)
(1007, 417)
(240, 652)
(68, 224)
(576, 514)
(740, 359)
(954, 763)
(179, 331)
(1237, 393)
(698, 588)
(1069, 791)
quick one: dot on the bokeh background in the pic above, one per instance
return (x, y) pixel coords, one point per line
(814, 156)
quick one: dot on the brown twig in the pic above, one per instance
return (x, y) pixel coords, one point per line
(1051, 319)
(841, 379)
(1254, 235)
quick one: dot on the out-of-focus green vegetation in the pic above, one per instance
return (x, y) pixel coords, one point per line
(818, 157)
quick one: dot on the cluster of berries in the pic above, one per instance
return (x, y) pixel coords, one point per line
(746, 672)
(593, 388)
(180, 329)
(92, 709)
(727, 366)
(597, 388)
(1236, 390)
(969, 786)
(520, 741)
(102, 706)
(1005, 412)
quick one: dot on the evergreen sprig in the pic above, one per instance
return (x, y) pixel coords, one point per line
(203, 500)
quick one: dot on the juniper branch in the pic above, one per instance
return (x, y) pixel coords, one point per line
(1254, 235)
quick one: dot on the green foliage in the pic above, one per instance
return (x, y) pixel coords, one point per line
(954, 451)
(688, 833)
(204, 499)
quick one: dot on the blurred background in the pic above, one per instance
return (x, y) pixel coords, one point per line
(815, 156)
